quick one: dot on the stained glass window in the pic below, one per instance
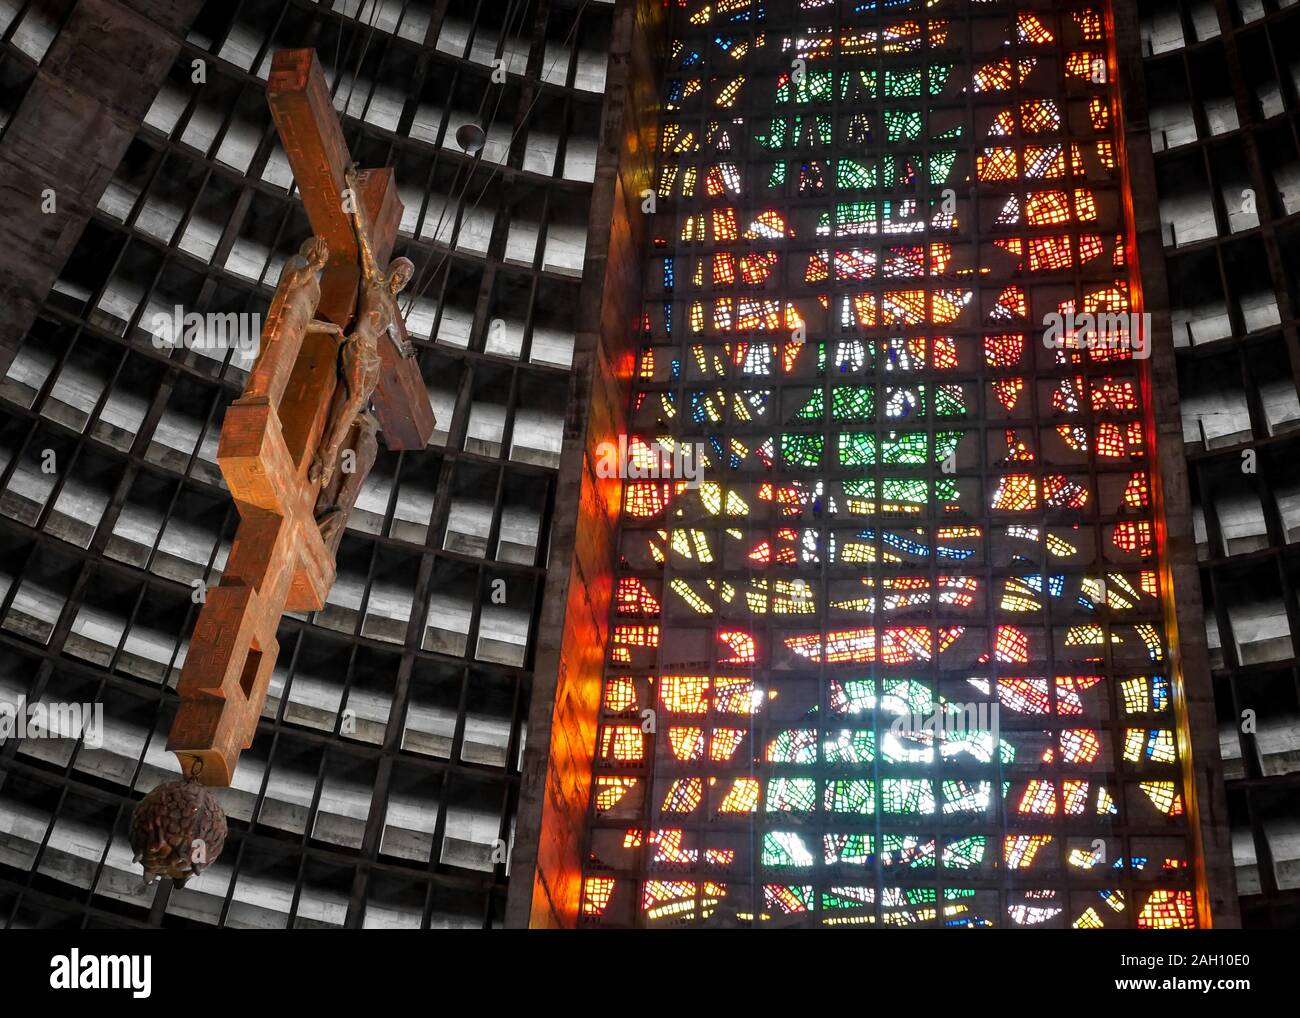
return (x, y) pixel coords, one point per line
(902, 647)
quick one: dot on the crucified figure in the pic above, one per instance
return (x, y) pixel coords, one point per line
(359, 361)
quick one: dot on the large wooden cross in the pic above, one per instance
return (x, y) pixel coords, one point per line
(282, 558)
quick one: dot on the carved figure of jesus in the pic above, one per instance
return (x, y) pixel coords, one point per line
(337, 499)
(359, 361)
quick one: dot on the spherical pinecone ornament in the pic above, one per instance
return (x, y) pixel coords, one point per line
(178, 830)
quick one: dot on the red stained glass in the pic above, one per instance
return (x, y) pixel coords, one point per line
(1050, 253)
(596, 892)
(1016, 493)
(1047, 208)
(1134, 536)
(1008, 391)
(997, 164)
(1110, 441)
(1137, 494)
(1167, 910)
(1061, 492)
(739, 644)
(1010, 304)
(643, 499)
(1113, 394)
(633, 598)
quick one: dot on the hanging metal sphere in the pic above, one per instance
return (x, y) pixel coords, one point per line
(470, 138)
(178, 830)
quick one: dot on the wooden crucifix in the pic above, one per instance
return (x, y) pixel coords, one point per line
(296, 447)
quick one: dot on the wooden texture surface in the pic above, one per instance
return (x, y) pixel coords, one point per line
(279, 560)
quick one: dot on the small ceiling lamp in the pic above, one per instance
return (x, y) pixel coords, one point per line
(470, 138)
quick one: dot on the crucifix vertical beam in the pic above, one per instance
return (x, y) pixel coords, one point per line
(273, 435)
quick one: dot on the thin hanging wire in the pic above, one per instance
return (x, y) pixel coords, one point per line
(516, 7)
(523, 121)
(365, 46)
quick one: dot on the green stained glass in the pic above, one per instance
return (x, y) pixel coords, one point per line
(904, 489)
(850, 795)
(814, 408)
(857, 449)
(777, 176)
(902, 125)
(974, 743)
(964, 853)
(949, 401)
(852, 402)
(905, 448)
(852, 173)
(940, 165)
(908, 490)
(895, 209)
(802, 450)
(774, 852)
(903, 84)
(939, 77)
(960, 796)
(906, 795)
(858, 84)
(855, 695)
(922, 854)
(945, 489)
(848, 848)
(799, 130)
(797, 795)
(784, 848)
(916, 697)
(774, 136)
(794, 745)
(811, 86)
(832, 900)
(945, 444)
(850, 746)
(855, 217)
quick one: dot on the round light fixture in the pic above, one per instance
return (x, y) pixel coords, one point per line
(470, 138)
